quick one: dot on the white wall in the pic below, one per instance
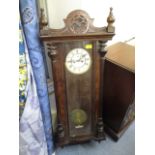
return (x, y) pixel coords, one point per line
(124, 13)
(59, 9)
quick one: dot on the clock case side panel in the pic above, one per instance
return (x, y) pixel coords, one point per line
(56, 55)
(97, 124)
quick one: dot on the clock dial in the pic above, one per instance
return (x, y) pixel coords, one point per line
(78, 61)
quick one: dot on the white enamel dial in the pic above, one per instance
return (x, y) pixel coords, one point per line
(78, 61)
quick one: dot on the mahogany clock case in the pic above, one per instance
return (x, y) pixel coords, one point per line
(78, 94)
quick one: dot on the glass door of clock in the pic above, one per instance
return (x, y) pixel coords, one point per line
(78, 73)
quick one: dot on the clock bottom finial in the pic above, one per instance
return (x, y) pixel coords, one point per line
(60, 131)
(100, 130)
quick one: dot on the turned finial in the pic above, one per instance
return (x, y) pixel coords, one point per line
(43, 21)
(110, 20)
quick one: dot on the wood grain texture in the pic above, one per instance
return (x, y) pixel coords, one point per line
(77, 91)
(118, 96)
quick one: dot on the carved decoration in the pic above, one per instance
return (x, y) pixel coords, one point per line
(60, 131)
(77, 23)
(79, 28)
(100, 129)
(51, 49)
(102, 50)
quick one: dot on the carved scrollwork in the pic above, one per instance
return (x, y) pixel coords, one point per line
(78, 22)
(100, 129)
(102, 48)
(60, 131)
(52, 51)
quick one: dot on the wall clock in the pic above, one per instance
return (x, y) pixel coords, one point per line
(76, 53)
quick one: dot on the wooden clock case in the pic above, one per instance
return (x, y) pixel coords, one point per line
(82, 91)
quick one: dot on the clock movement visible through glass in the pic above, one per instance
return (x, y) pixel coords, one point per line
(78, 61)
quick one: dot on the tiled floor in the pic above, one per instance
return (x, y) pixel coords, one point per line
(125, 146)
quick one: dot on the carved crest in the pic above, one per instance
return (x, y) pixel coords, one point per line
(78, 23)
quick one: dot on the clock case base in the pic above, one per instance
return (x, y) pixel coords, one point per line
(81, 141)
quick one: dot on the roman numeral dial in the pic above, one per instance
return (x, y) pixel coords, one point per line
(78, 61)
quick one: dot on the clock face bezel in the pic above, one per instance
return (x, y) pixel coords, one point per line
(71, 56)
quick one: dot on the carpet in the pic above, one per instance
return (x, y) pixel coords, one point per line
(124, 146)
